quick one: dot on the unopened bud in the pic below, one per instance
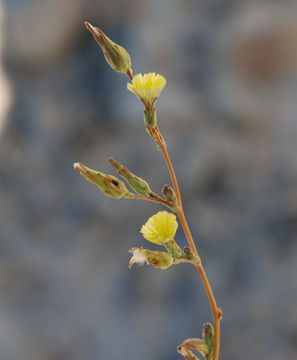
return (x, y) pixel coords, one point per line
(170, 197)
(138, 184)
(159, 259)
(173, 248)
(108, 184)
(116, 56)
(190, 255)
(208, 336)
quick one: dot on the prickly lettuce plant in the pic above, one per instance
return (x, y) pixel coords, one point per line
(161, 227)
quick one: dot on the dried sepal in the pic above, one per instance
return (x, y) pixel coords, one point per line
(192, 344)
(187, 354)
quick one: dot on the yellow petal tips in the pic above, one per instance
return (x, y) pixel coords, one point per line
(147, 87)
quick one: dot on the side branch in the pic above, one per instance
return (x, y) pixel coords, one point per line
(153, 199)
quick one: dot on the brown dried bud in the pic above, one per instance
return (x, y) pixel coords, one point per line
(170, 197)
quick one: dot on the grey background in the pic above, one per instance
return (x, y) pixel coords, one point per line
(228, 113)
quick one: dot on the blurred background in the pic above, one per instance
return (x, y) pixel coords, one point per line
(228, 113)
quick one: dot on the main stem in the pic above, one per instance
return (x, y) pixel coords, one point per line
(216, 311)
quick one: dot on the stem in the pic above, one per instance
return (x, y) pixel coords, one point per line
(156, 200)
(130, 74)
(216, 311)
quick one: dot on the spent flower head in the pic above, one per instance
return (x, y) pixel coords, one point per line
(108, 184)
(138, 257)
(117, 57)
(147, 87)
(160, 228)
(159, 259)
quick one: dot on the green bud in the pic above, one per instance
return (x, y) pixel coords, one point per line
(108, 184)
(159, 259)
(208, 337)
(116, 56)
(190, 255)
(170, 197)
(173, 248)
(139, 185)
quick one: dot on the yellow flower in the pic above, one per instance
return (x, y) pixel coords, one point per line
(147, 87)
(160, 228)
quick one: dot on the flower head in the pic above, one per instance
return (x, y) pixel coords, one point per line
(160, 228)
(147, 87)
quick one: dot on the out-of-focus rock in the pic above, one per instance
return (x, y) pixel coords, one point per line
(263, 43)
(40, 32)
(5, 91)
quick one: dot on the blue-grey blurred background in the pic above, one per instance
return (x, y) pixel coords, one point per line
(228, 113)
